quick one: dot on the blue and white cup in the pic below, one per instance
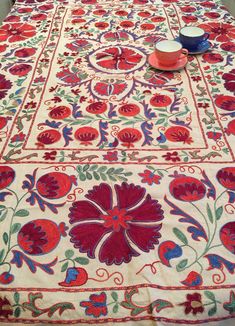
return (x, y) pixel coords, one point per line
(191, 37)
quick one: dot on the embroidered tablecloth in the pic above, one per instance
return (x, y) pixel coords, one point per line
(117, 181)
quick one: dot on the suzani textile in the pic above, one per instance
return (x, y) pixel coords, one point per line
(117, 181)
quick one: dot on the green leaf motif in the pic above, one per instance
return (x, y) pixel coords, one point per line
(2, 252)
(82, 260)
(15, 228)
(17, 312)
(230, 305)
(64, 267)
(16, 297)
(5, 238)
(22, 213)
(3, 215)
(210, 295)
(209, 213)
(115, 308)
(179, 234)
(114, 295)
(212, 311)
(182, 265)
(69, 253)
(219, 212)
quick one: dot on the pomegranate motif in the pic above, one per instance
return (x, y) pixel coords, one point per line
(55, 185)
(227, 236)
(160, 101)
(25, 52)
(49, 137)
(60, 112)
(20, 70)
(41, 236)
(178, 134)
(75, 276)
(86, 135)
(129, 136)
(97, 107)
(129, 110)
(230, 130)
(3, 122)
(7, 175)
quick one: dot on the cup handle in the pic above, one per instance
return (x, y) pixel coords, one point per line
(185, 52)
(206, 36)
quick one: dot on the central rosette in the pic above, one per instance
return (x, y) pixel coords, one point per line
(117, 59)
(116, 218)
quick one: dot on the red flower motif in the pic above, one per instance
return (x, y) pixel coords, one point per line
(171, 157)
(214, 135)
(226, 177)
(188, 9)
(111, 156)
(110, 87)
(5, 307)
(178, 134)
(78, 12)
(25, 52)
(230, 130)
(101, 25)
(18, 138)
(193, 304)
(227, 236)
(86, 135)
(187, 189)
(149, 177)
(39, 17)
(158, 19)
(221, 32)
(144, 14)
(40, 236)
(49, 137)
(160, 101)
(7, 176)
(20, 70)
(121, 13)
(99, 12)
(116, 36)
(5, 85)
(3, 122)
(129, 110)
(122, 223)
(97, 107)
(127, 24)
(50, 155)
(228, 46)
(229, 80)
(119, 58)
(225, 102)
(54, 185)
(96, 306)
(129, 136)
(212, 15)
(12, 18)
(213, 57)
(147, 26)
(60, 112)
(16, 32)
(78, 45)
(3, 48)
(189, 19)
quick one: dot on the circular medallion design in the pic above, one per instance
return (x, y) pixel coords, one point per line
(117, 59)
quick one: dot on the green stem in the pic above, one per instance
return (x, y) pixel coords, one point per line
(204, 217)
(11, 222)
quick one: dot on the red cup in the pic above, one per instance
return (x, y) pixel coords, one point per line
(169, 52)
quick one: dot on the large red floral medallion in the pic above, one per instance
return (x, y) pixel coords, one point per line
(119, 220)
(117, 59)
